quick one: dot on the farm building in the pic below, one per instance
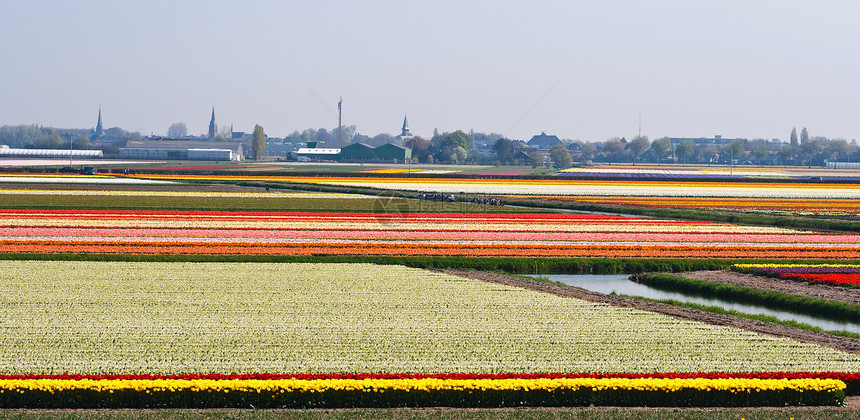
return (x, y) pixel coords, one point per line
(360, 152)
(6, 151)
(182, 150)
(544, 141)
(843, 165)
(317, 153)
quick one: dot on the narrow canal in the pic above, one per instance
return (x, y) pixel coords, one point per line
(622, 285)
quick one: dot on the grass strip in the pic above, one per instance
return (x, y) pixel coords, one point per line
(769, 299)
(272, 203)
(758, 317)
(504, 264)
(511, 265)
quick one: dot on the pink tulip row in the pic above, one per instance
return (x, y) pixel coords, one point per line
(471, 235)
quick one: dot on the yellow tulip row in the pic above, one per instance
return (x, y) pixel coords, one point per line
(734, 385)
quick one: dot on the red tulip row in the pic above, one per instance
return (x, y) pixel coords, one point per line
(839, 279)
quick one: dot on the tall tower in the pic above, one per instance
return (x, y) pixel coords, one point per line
(404, 132)
(212, 125)
(100, 132)
(340, 122)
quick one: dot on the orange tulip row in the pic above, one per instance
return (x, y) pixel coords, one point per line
(439, 249)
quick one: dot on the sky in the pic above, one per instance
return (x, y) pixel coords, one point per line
(586, 70)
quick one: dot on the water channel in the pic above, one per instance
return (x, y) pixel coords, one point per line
(622, 285)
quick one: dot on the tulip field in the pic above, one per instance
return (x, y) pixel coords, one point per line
(151, 199)
(777, 206)
(173, 318)
(834, 274)
(88, 318)
(786, 197)
(404, 234)
(563, 186)
(149, 318)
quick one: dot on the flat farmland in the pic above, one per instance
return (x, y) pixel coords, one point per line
(177, 198)
(130, 317)
(99, 281)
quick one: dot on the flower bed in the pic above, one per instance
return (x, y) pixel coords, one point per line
(773, 206)
(417, 392)
(137, 334)
(405, 234)
(563, 187)
(177, 318)
(835, 274)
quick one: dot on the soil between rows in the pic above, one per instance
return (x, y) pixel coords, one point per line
(827, 340)
(852, 406)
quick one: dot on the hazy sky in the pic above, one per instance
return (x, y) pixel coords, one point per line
(577, 69)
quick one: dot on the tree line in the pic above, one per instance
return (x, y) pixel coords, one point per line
(801, 150)
(40, 137)
(458, 147)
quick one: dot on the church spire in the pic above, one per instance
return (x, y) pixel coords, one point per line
(99, 128)
(405, 130)
(212, 125)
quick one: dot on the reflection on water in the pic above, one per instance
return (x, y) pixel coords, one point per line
(622, 285)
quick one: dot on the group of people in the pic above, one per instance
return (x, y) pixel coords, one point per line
(487, 201)
(451, 198)
(436, 197)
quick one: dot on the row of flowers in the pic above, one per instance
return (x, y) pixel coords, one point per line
(847, 377)
(376, 392)
(298, 216)
(835, 274)
(782, 206)
(337, 233)
(372, 221)
(839, 279)
(42, 232)
(562, 186)
(635, 250)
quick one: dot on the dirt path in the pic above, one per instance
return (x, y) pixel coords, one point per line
(806, 336)
(821, 291)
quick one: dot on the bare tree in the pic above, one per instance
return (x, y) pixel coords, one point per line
(177, 130)
(225, 133)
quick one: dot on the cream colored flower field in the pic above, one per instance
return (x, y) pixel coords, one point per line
(134, 317)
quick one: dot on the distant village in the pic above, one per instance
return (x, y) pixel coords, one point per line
(345, 144)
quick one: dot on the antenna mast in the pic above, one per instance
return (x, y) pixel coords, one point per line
(340, 122)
